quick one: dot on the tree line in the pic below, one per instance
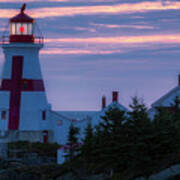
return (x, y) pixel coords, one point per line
(127, 145)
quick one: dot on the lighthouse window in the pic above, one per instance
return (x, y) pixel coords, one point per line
(24, 26)
(21, 28)
(43, 115)
(13, 28)
(3, 115)
(18, 28)
(29, 29)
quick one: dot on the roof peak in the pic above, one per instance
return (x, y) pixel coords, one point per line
(22, 17)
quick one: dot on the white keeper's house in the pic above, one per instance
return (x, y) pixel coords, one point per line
(25, 113)
(166, 100)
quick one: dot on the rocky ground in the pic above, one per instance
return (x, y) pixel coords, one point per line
(18, 171)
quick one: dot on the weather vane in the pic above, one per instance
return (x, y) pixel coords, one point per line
(23, 8)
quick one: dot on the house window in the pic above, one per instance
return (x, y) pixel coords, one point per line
(59, 122)
(43, 115)
(3, 115)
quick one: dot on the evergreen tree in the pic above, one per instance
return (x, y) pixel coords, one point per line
(138, 124)
(163, 118)
(88, 146)
(164, 133)
(175, 110)
(167, 122)
(175, 127)
(153, 140)
(111, 149)
(139, 135)
(113, 120)
(138, 115)
(98, 150)
(72, 143)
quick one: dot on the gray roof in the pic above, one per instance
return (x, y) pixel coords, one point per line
(160, 101)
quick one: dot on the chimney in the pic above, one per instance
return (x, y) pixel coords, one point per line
(115, 96)
(103, 102)
(179, 79)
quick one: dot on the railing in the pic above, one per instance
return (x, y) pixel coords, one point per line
(6, 40)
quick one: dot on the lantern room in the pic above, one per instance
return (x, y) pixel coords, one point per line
(21, 28)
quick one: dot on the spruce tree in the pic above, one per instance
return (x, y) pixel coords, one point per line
(72, 143)
(138, 114)
(163, 133)
(139, 135)
(175, 110)
(112, 139)
(98, 150)
(88, 145)
(175, 130)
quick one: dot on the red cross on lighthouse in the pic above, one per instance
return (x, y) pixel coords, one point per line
(16, 85)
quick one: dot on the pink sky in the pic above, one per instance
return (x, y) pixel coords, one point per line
(97, 46)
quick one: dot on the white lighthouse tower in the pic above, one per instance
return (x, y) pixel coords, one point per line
(24, 110)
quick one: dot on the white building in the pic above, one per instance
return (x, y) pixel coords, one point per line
(63, 119)
(166, 100)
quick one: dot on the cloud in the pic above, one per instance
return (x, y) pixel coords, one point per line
(124, 8)
(55, 51)
(167, 38)
(2, 29)
(28, 1)
(82, 0)
(132, 26)
(7, 13)
(84, 29)
(112, 45)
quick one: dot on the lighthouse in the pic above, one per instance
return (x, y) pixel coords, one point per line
(24, 109)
